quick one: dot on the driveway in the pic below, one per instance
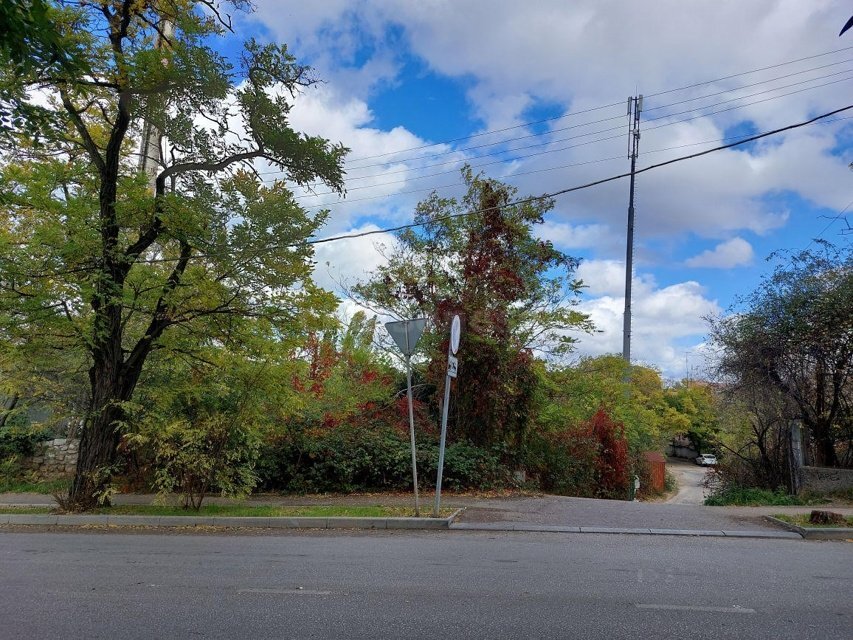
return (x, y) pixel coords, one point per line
(689, 477)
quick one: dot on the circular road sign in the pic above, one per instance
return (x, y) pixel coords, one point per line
(455, 333)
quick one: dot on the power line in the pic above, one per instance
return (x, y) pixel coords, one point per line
(507, 140)
(607, 106)
(522, 201)
(456, 161)
(751, 95)
(488, 133)
(746, 73)
(557, 150)
(583, 186)
(759, 93)
(831, 222)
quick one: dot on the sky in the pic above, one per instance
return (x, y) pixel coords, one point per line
(535, 94)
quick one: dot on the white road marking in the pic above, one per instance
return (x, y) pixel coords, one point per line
(288, 592)
(681, 607)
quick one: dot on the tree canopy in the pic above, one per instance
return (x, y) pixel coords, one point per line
(112, 259)
(479, 257)
(795, 335)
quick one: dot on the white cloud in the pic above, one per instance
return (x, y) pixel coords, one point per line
(568, 236)
(662, 318)
(731, 253)
(345, 262)
(512, 56)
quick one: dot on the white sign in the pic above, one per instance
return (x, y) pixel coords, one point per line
(455, 333)
(452, 366)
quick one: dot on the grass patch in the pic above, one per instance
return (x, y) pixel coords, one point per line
(267, 511)
(802, 520)
(46, 487)
(243, 511)
(752, 497)
(26, 509)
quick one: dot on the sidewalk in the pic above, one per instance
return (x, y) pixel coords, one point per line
(518, 513)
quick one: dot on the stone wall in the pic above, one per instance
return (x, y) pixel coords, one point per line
(825, 479)
(55, 459)
(688, 453)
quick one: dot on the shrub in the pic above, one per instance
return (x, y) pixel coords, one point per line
(20, 438)
(196, 458)
(563, 462)
(751, 496)
(377, 457)
(589, 460)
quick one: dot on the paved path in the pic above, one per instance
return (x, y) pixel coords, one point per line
(540, 511)
(689, 477)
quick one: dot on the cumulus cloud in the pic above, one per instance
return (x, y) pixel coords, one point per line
(731, 253)
(571, 56)
(662, 319)
(342, 263)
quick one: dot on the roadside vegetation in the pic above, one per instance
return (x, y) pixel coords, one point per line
(786, 359)
(802, 520)
(167, 316)
(242, 511)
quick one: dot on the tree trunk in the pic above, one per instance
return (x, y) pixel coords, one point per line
(113, 382)
(98, 447)
(7, 410)
(99, 440)
(825, 451)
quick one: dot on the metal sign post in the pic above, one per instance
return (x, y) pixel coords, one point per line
(452, 366)
(406, 334)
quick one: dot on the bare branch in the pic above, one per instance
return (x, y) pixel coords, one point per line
(87, 142)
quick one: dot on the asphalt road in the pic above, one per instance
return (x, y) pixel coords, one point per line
(421, 585)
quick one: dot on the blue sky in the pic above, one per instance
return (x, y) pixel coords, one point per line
(399, 76)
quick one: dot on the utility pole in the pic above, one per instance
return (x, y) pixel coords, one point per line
(635, 106)
(151, 152)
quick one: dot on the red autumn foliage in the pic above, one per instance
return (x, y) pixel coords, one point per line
(611, 464)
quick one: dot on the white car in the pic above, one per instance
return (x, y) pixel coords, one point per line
(706, 459)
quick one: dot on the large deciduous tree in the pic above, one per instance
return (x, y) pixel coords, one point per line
(795, 336)
(101, 258)
(479, 257)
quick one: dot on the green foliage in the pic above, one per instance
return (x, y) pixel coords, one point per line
(20, 438)
(212, 454)
(11, 481)
(105, 263)
(587, 460)
(574, 394)
(696, 403)
(478, 257)
(347, 459)
(30, 38)
(794, 336)
(199, 426)
(752, 497)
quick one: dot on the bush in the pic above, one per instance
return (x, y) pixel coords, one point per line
(195, 459)
(589, 460)
(751, 496)
(563, 462)
(347, 459)
(20, 438)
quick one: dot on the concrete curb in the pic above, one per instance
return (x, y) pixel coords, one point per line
(229, 522)
(814, 533)
(472, 526)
